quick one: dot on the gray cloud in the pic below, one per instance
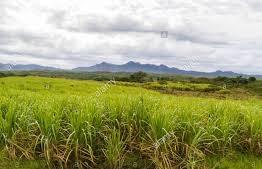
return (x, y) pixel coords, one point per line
(126, 24)
(254, 4)
(73, 33)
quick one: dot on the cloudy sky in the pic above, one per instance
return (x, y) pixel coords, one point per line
(203, 35)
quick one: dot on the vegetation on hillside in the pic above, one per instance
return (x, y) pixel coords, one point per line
(219, 87)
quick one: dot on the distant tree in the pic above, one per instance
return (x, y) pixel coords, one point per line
(252, 79)
(150, 79)
(202, 80)
(221, 79)
(243, 81)
(240, 80)
(123, 79)
(138, 77)
(2, 74)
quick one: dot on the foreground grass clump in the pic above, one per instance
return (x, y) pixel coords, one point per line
(65, 123)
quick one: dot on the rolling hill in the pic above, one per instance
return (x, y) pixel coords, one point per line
(150, 68)
(127, 67)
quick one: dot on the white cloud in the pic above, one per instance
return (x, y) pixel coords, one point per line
(221, 34)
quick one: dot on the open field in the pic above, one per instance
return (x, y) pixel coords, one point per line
(206, 90)
(67, 123)
(215, 87)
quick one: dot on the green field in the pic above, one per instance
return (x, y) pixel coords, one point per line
(59, 123)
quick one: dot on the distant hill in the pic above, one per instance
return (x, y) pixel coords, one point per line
(128, 67)
(8, 67)
(150, 68)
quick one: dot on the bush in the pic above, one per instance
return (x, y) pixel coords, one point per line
(138, 77)
(252, 79)
(2, 74)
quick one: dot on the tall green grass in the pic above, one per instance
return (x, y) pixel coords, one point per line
(68, 126)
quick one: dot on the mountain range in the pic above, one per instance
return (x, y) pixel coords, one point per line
(9, 67)
(128, 67)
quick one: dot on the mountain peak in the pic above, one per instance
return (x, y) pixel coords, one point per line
(132, 63)
(163, 66)
(104, 63)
